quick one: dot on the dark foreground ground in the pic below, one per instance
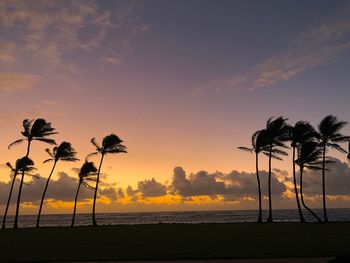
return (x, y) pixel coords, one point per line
(176, 241)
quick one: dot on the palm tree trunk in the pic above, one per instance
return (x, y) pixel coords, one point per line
(302, 219)
(9, 200)
(94, 222)
(302, 196)
(324, 184)
(269, 219)
(75, 203)
(15, 223)
(259, 187)
(44, 193)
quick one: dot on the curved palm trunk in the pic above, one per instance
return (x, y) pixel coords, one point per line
(75, 203)
(324, 184)
(302, 219)
(269, 219)
(44, 193)
(9, 200)
(302, 196)
(259, 187)
(94, 222)
(15, 223)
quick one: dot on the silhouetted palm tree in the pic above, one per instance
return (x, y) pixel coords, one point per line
(276, 135)
(27, 165)
(310, 156)
(258, 145)
(330, 136)
(63, 152)
(87, 174)
(37, 130)
(300, 133)
(110, 144)
(21, 165)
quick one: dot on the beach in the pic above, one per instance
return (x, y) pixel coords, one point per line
(176, 242)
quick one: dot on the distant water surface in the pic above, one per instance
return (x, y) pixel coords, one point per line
(284, 215)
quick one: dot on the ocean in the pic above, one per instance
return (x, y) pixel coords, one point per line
(283, 215)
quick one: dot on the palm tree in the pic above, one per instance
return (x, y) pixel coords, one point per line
(110, 144)
(276, 135)
(27, 165)
(310, 156)
(33, 130)
(63, 152)
(21, 165)
(258, 145)
(87, 174)
(330, 137)
(298, 134)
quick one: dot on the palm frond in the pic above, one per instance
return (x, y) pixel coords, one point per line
(15, 143)
(48, 160)
(45, 140)
(246, 149)
(90, 155)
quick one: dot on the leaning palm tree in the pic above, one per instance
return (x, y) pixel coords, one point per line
(87, 174)
(110, 144)
(27, 166)
(276, 135)
(34, 130)
(330, 137)
(21, 165)
(63, 152)
(298, 134)
(309, 156)
(258, 145)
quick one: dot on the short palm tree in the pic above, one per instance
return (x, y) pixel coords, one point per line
(110, 144)
(87, 174)
(298, 134)
(258, 145)
(276, 136)
(27, 165)
(21, 165)
(330, 137)
(309, 156)
(34, 130)
(63, 152)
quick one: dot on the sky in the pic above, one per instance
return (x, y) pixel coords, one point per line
(183, 83)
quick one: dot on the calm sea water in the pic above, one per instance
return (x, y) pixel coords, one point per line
(175, 217)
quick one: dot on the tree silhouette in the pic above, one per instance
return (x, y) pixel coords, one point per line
(21, 165)
(259, 144)
(33, 130)
(298, 134)
(276, 135)
(330, 137)
(310, 156)
(111, 144)
(87, 174)
(27, 165)
(63, 152)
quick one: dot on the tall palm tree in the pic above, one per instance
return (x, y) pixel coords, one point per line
(110, 144)
(21, 165)
(298, 134)
(309, 156)
(26, 166)
(258, 145)
(276, 136)
(63, 152)
(330, 137)
(87, 174)
(33, 130)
